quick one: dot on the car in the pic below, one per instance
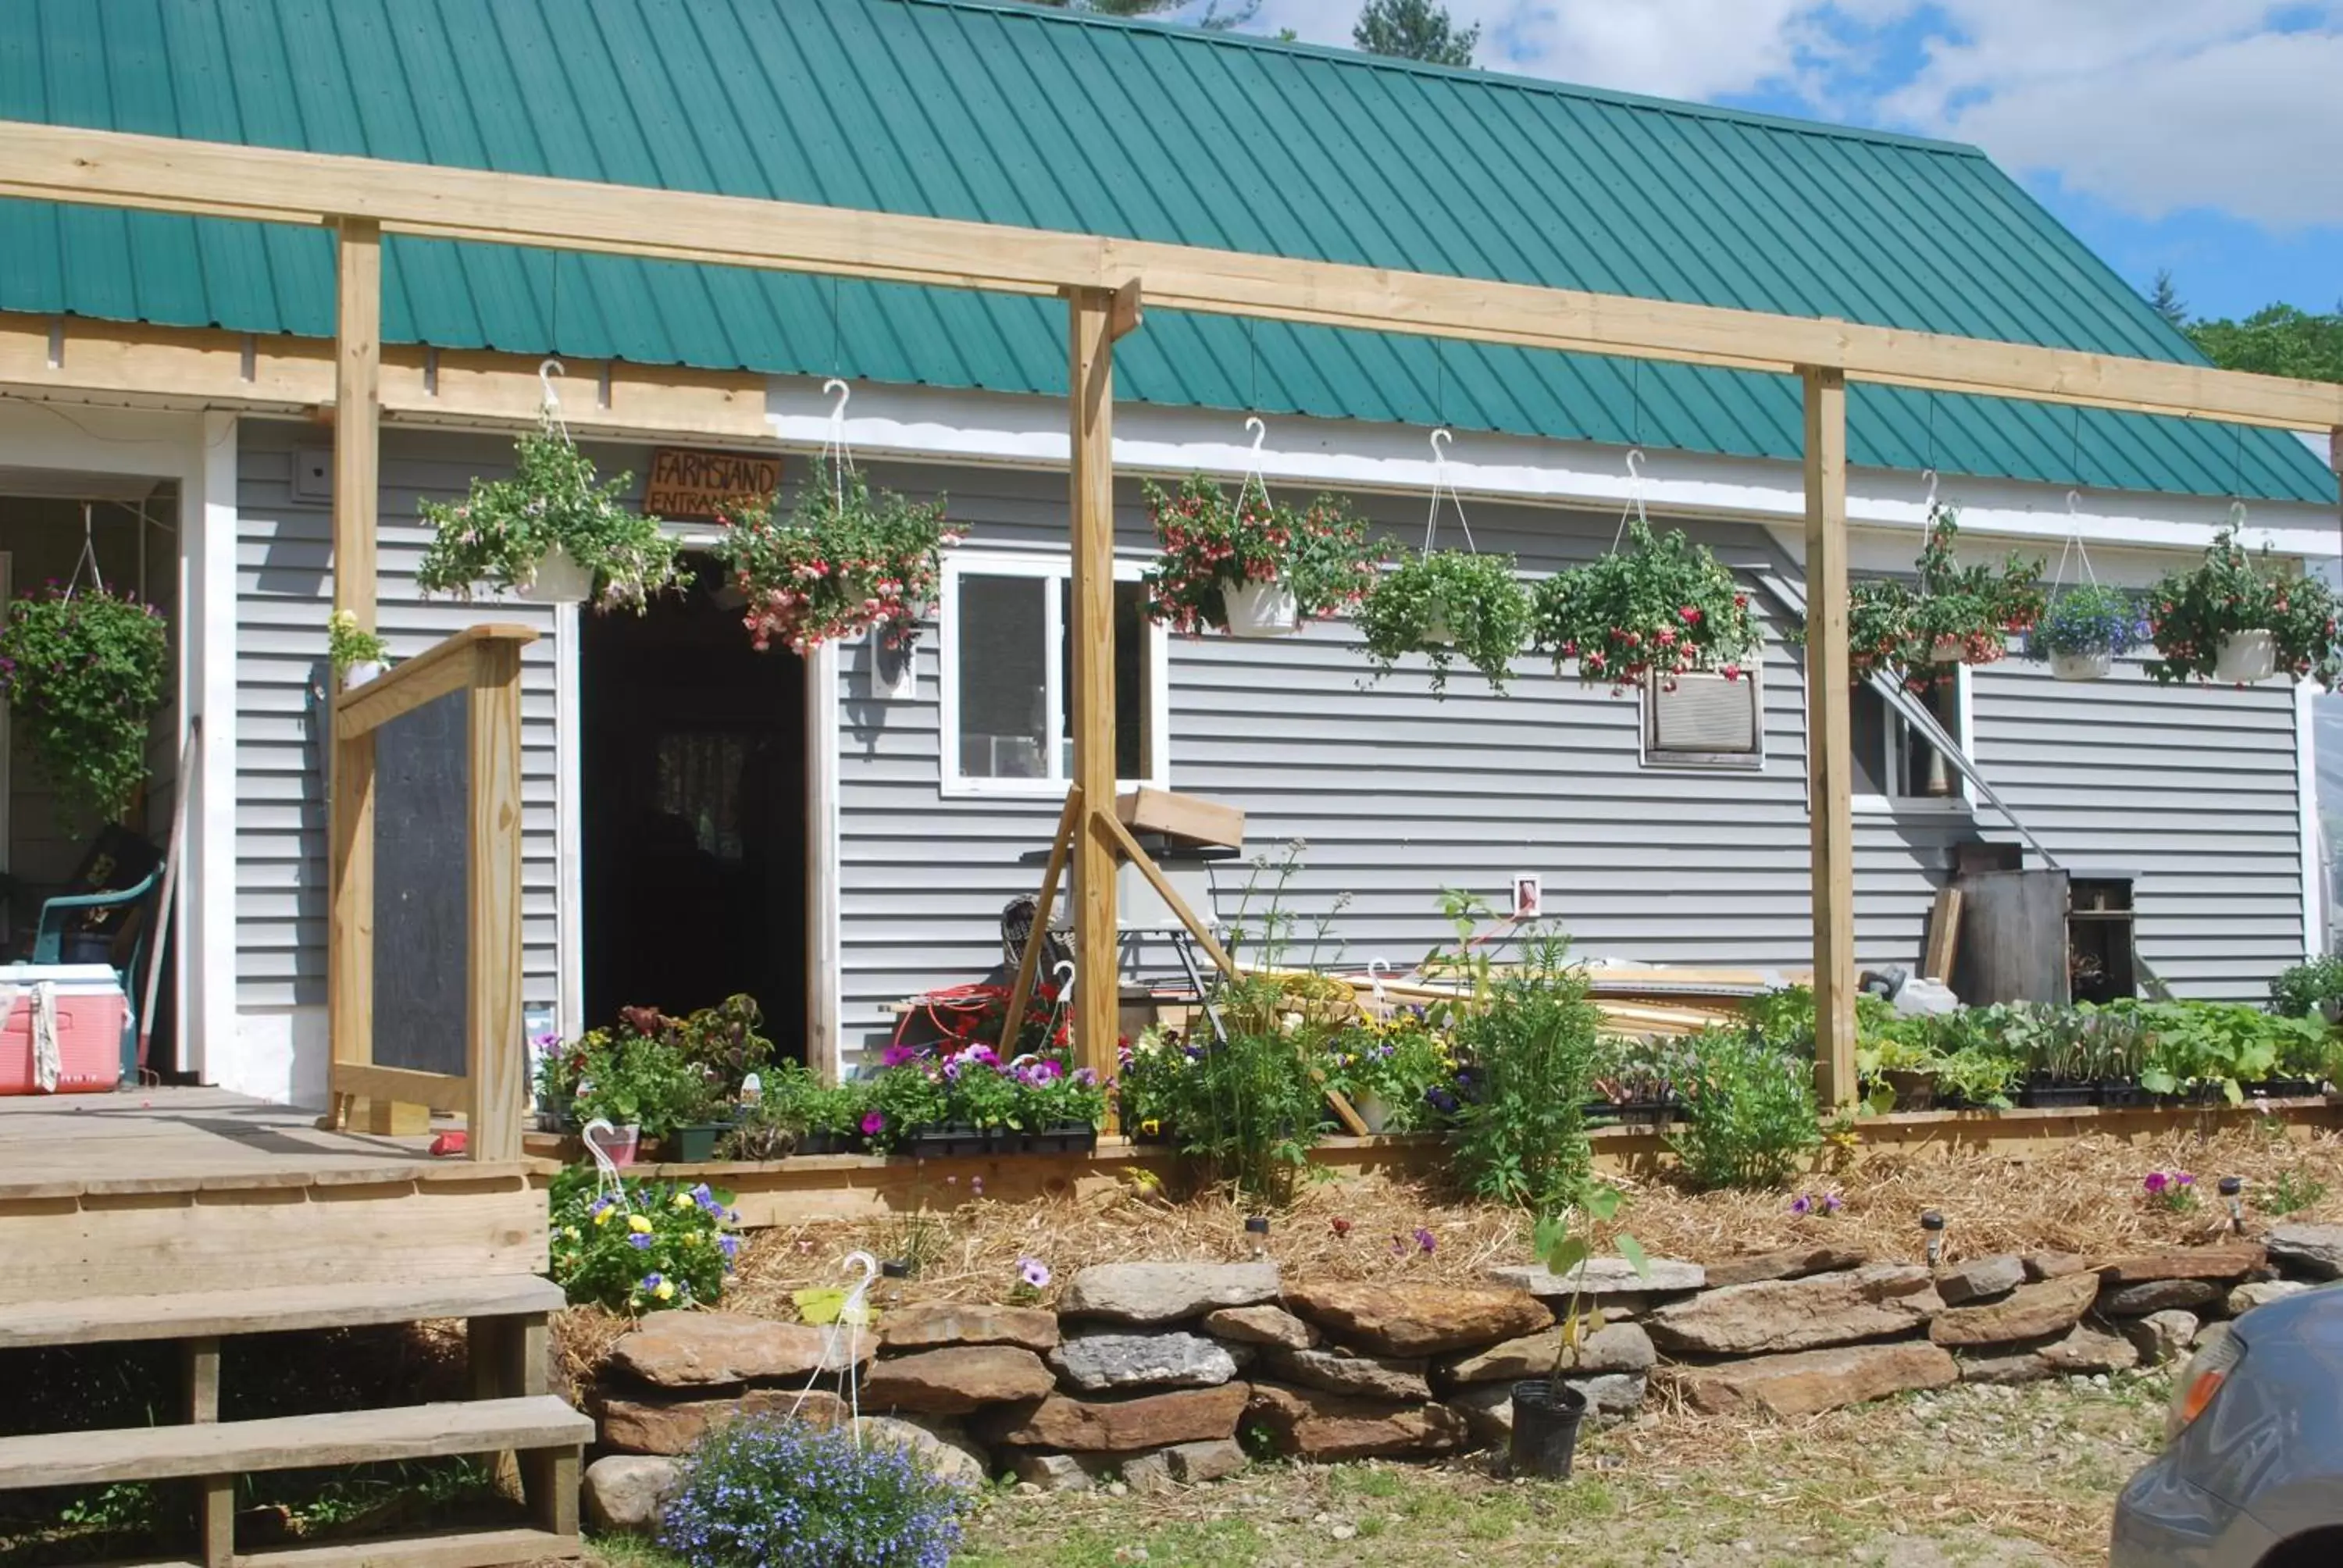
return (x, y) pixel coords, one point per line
(2251, 1475)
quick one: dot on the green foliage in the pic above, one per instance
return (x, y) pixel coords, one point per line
(773, 1491)
(2316, 986)
(1208, 543)
(1565, 1238)
(651, 1245)
(1448, 605)
(347, 644)
(2277, 340)
(1415, 30)
(1966, 612)
(1404, 1063)
(499, 532)
(1249, 1109)
(2222, 1046)
(2290, 1194)
(784, 1113)
(2088, 619)
(627, 1079)
(1532, 1046)
(1749, 1110)
(1661, 605)
(722, 1040)
(843, 562)
(2191, 613)
(84, 673)
(2165, 299)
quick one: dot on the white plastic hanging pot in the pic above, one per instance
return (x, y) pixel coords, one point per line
(1948, 650)
(2247, 657)
(1435, 628)
(360, 670)
(1261, 608)
(559, 579)
(2094, 665)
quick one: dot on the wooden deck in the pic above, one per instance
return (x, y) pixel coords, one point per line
(195, 1189)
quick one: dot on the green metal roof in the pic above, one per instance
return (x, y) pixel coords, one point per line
(964, 109)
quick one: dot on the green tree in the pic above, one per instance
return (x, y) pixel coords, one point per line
(2166, 299)
(2278, 340)
(1415, 30)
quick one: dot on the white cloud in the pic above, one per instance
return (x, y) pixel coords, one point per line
(2151, 105)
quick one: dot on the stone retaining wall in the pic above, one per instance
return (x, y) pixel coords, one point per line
(1149, 1375)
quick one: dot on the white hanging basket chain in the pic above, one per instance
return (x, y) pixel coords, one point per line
(1440, 481)
(87, 558)
(550, 406)
(1635, 507)
(1256, 608)
(835, 453)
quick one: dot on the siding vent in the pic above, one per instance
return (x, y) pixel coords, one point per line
(1708, 721)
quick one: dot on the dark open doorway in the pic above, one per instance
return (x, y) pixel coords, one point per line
(694, 808)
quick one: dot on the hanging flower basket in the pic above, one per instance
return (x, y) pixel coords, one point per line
(1448, 606)
(1662, 606)
(1252, 567)
(553, 532)
(2085, 629)
(84, 671)
(1965, 615)
(843, 562)
(2238, 617)
(357, 654)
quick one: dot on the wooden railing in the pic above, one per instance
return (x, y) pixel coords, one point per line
(483, 661)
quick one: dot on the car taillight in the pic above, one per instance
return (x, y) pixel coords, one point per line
(2201, 1378)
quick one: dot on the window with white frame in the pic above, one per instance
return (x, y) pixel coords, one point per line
(1898, 770)
(1006, 653)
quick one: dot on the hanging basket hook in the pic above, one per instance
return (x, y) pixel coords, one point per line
(547, 369)
(2236, 514)
(1930, 476)
(1441, 439)
(844, 392)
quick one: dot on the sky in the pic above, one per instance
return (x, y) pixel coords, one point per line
(2201, 136)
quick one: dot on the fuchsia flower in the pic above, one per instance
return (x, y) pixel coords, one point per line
(2156, 1182)
(874, 1122)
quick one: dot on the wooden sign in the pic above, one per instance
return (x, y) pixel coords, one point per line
(689, 485)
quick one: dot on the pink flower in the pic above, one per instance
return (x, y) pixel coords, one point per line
(874, 1122)
(2155, 1183)
(1034, 1272)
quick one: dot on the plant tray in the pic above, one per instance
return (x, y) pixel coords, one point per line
(1063, 1141)
(2281, 1089)
(2054, 1096)
(2119, 1095)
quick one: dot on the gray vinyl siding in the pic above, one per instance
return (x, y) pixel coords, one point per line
(285, 591)
(1396, 795)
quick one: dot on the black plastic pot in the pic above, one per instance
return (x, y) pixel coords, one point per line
(1074, 1138)
(695, 1144)
(2046, 1095)
(822, 1143)
(1002, 1140)
(2122, 1094)
(1546, 1418)
(2281, 1089)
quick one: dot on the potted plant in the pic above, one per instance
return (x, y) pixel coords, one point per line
(552, 532)
(1447, 605)
(357, 656)
(1964, 614)
(842, 562)
(83, 668)
(1060, 1108)
(1252, 567)
(2238, 618)
(2084, 630)
(1662, 606)
(1547, 1411)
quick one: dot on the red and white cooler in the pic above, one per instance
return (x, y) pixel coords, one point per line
(90, 1012)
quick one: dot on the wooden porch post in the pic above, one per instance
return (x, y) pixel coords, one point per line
(494, 1059)
(357, 363)
(1829, 755)
(1090, 381)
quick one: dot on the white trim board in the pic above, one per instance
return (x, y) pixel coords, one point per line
(927, 424)
(2305, 784)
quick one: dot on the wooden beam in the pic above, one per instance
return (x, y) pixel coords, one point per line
(1829, 694)
(402, 1086)
(447, 665)
(1098, 956)
(496, 1059)
(112, 168)
(350, 892)
(1028, 961)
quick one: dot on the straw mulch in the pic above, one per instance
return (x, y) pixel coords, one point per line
(2082, 1197)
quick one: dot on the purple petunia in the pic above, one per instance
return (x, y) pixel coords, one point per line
(896, 1055)
(1831, 1203)
(874, 1122)
(2156, 1182)
(1425, 1240)
(1034, 1272)
(1802, 1204)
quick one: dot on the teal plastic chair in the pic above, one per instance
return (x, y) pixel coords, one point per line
(49, 940)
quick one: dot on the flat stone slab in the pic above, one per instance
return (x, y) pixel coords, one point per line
(2229, 1261)
(1261, 1325)
(2312, 1251)
(2245, 1297)
(1775, 1316)
(2081, 1350)
(2157, 1296)
(1981, 1279)
(1165, 1292)
(1785, 1263)
(1070, 1425)
(1315, 1425)
(1599, 1277)
(2040, 1266)
(1104, 1363)
(2029, 1313)
(1338, 1370)
(1811, 1381)
(670, 1426)
(704, 1350)
(931, 1325)
(1193, 1464)
(956, 1379)
(1613, 1347)
(1418, 1320)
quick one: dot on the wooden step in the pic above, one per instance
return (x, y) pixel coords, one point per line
(210, 1314)
(444, 1548)
(291, 1442)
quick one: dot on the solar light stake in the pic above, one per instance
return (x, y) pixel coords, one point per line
(1933, 1224)
(1257, 1232)
(2232, 1189)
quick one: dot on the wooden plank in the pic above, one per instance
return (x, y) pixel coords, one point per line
(214, 1495)
(422, 1091)
(1089, 376)
(206, 1315)
(496, 1054)
(1944, 934)
(445, 666)
(548, 1479)
(111, 168)
(446, 1549)
(1028, 961)
(290, 1442)
(1190, 817)
(1829, 789)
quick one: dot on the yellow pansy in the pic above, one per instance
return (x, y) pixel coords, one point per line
(570, 1233)
(681, 1200)
(602, 1216)
(639, 1224)
(666, 1291)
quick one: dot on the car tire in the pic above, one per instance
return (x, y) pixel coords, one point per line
(2319, 1549)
